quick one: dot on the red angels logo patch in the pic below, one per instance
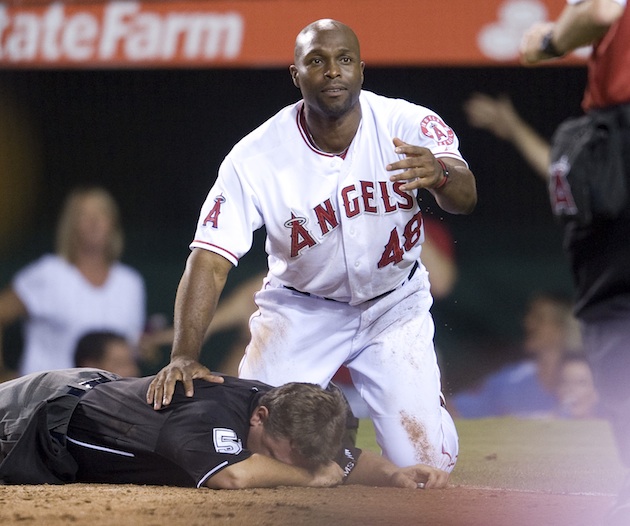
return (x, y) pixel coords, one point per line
(213, 215)
(434, 128)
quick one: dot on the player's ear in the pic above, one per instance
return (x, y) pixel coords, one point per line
(261, 413)
(294, 75)
(362, 70)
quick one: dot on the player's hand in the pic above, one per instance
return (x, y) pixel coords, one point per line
(420, 168)
(326, 476)
(160, 392)
(419, 476)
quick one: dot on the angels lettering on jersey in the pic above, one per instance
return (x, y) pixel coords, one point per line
(366, 197)
(363, 198)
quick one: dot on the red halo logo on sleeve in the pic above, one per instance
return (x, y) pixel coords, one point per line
(434, 128)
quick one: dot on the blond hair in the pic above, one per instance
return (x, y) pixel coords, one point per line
(66, 244)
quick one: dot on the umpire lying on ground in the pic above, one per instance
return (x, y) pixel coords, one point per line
(89, 425)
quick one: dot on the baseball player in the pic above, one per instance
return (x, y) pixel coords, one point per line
(335, 179)
(89, 425)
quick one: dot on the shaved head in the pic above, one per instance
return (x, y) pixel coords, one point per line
(319, 26)
(329, 73)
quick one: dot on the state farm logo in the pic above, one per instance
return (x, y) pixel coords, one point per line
(118, 31)
(435, 128)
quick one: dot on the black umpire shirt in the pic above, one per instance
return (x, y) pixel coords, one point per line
(116, 437)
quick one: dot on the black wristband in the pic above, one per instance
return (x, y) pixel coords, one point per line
(548, 47)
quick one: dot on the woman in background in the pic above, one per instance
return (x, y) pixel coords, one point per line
(81, 288)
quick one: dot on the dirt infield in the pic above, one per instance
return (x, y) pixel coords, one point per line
(560, 473)
(348, 506)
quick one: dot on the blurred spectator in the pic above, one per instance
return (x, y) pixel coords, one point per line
(82, 287)
(577, 395)
(106, 350)
(528, 387)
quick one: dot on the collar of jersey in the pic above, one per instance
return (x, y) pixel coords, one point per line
(301, 124)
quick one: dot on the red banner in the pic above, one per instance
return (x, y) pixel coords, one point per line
(261, 33)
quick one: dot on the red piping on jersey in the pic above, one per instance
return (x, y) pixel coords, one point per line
(300, 120)
(215, 246)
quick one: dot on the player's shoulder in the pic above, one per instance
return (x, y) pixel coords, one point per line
(394, 110)
(269, 135)
(385, 103)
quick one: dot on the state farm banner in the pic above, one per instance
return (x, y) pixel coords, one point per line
(261, 33)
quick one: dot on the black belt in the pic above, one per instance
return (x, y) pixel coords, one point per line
(83, 387)
(411, 273)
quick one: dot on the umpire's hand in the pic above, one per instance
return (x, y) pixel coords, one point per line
(185, 370)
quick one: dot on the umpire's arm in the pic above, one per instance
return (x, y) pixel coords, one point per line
(261, 471)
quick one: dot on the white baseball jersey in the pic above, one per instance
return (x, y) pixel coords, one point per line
(337, 228)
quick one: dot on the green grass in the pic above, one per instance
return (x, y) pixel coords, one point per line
(557, 456)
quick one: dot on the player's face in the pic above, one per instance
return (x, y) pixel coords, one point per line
(261, 442)
(280, 449)
(328, 70)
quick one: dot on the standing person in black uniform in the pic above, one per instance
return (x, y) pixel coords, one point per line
(593, 191)
(88, 425)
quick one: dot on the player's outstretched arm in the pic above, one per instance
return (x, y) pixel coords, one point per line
(374, 470)
(197, 297)
(260, 471)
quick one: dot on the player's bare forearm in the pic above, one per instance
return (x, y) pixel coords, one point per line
(459, 194)
(260, 471)
(197, 297)
(196, 301)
